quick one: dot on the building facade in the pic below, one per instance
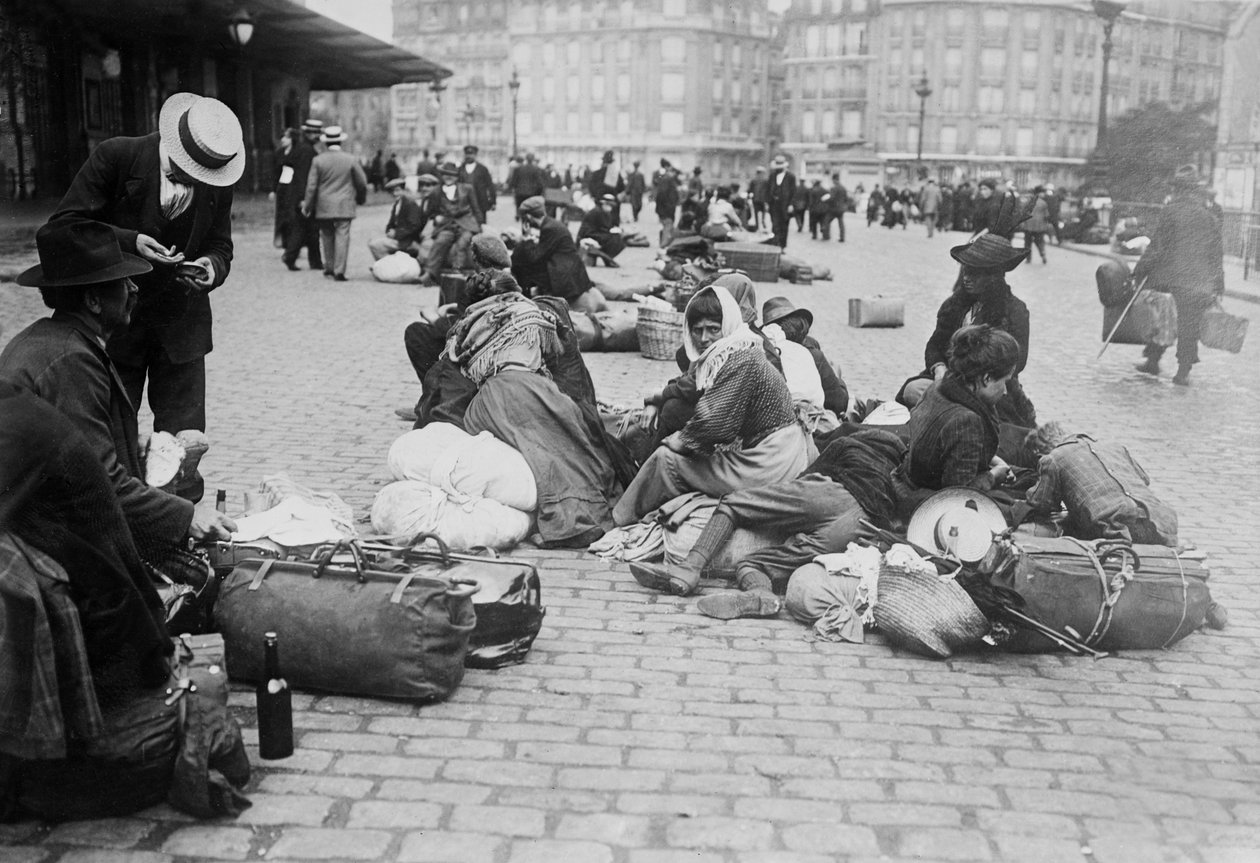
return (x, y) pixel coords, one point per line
(1012, 88)
(363, 114)
(1237, 174)
(686, 80)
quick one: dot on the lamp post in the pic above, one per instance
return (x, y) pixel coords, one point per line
(922, 91)
(514, 84)
(1108, 11)
(436, 87)
(468, 115)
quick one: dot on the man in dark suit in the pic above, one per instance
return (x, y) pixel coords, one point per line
(547, 259)
(86, 279)
(636, 186)
(303, 232)
(473, 173)
(406, 222)
(527, 180)
(780, 196)
(665, 199)
(168, 197)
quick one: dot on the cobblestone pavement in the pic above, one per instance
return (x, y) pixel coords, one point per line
(641, 731)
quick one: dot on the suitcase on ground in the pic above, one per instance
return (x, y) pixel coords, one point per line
(1085, 587)
(509, 613)
(348, 625)
(802, 275)
(877, 311)
(1223, 331)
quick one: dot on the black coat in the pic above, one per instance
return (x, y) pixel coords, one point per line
(120, 184)
(483, 184)
(551, 263)
(781, 196)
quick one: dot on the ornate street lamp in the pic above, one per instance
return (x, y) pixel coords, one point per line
(436, 87)
(1108, 11)
(514, 84)
(922, 91)
(241, 27)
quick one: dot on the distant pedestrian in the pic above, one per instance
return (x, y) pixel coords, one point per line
(607, 180)
(334, 189)
(665, 200)
(874, 204)
(392, 171)
(636, 187)
(818, 200)
(302, 232)
(1054, 207)
(759, 192)
(837, 205)
(1037, 226)
(527, 180)
(376, 172)
(426, 165)
(781, 199)
(1185, 258)
(800, 205)
(985, 206)
(930, 204)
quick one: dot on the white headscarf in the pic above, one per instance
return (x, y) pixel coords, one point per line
(735, 336)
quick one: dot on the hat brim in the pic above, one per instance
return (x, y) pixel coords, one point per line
(130, 265)
(922, 528)
(168, 131)
(803, 313)
(959, 254)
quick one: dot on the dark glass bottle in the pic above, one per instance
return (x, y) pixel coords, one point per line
(275, 705)
(220, 500)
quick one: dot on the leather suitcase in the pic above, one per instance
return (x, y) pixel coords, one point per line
(877, 311)
(1152, 319)
(351, 627)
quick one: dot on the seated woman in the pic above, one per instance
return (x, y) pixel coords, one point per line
(502, 344)
(667, 411)
(849, 482)
(743, 432)
(953, 430)
(601, 229)
(982, 296)
(1105, 490)
(723, 217)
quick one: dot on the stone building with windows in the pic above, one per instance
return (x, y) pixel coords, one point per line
(1237, 174)
(687, 80)
(1014, 87)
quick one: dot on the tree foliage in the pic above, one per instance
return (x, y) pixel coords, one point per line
(1145, 145)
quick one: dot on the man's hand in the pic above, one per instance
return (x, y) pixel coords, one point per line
(647, 418)
(999, 470)
(151, 250)
(938, 371)
(202, 282)
(210, 524)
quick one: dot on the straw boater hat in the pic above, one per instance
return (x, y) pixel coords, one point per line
(608, 198)
(79, 252)
(779, 161)
(956, 521)
(333, 135)
(396, 183)
(203, 138)
(778, 308)
(312, 125)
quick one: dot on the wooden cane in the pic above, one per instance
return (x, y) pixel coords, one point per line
(1120, 320)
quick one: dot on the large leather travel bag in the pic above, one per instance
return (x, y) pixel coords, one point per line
(1112, 595)
(349, 626)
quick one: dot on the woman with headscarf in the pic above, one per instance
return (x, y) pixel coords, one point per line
(743, 431)
(669, 410)
(982, 296)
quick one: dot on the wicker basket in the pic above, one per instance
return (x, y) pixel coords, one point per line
(759, 260)
(924, 614)
(660, 332)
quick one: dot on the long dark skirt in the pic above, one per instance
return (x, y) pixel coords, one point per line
(575, 478)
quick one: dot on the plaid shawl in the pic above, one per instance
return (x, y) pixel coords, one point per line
(499, 331)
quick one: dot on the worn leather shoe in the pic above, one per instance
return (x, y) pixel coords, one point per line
(1150, 367)
(1182, 378)
(733, 604)
(677, 580)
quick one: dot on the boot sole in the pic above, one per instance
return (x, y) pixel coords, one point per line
(653, 580)
(731, 606)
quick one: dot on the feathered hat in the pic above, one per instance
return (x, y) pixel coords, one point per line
(993, 250)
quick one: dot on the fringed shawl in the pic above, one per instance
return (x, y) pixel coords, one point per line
(499, 331)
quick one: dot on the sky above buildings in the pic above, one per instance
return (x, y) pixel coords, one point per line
(375, 18)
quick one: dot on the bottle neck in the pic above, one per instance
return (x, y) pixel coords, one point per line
(271, 659)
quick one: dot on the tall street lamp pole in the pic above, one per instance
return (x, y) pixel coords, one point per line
(922, 91)
(1108, 11)
(514, 84)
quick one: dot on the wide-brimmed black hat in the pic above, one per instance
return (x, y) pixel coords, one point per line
(988, 252)
(778, 308)
(449, 169)
(74, 252)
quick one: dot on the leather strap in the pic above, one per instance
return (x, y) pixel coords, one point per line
(263, 569)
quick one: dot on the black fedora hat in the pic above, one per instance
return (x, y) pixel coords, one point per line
(777, 308)
(79, 252)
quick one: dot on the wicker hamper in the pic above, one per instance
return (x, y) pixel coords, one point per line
(660, 332)
(759, 260)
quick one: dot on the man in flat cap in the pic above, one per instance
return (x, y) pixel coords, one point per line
(168, 198)
(406, 220)
(477, 175)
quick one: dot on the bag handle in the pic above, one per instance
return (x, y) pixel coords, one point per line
(356, 555)
(462, 587)
(444, 551)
